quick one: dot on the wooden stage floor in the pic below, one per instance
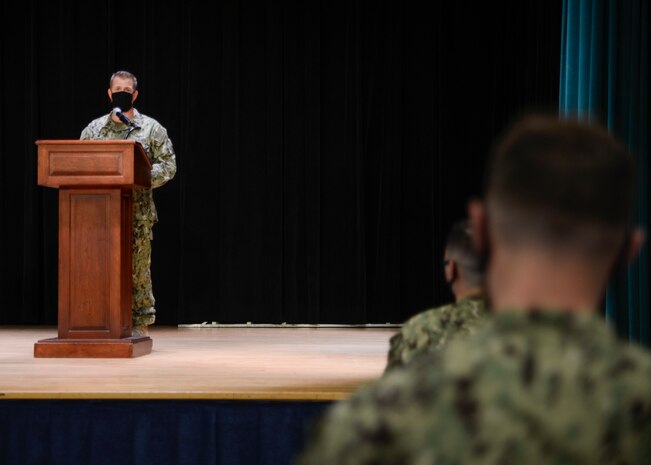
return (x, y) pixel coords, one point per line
(205, 363)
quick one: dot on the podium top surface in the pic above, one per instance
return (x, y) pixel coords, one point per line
(84, 163)
(87, 142)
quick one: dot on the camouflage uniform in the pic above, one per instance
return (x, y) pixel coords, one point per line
(430, 330)
(158, 147)
(528, 388)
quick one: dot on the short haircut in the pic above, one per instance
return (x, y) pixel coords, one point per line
(460, 248)
(561, 183)
(124, 75)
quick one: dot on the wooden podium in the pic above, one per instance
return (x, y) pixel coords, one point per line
(95, 181)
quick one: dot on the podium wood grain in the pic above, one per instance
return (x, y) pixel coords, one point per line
(95, 181)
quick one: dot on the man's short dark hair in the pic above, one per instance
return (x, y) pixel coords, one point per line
(561, 182)
(124, 75)
(460, 248)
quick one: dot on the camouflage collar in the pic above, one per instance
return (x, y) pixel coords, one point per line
(580, 322)
(473, 298)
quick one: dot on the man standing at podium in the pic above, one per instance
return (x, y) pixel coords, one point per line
(125, 122)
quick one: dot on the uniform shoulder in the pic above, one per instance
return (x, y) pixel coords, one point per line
(148, 118)
(152, 127)
(631, 363)
(428, 316)
(562, 343)
(98, 122)
(458, 313)
(148, 121)
(93, 129)
(472, 303)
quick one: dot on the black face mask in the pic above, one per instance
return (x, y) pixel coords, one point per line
(123, 100)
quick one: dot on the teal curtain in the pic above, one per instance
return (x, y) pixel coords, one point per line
(604, 75)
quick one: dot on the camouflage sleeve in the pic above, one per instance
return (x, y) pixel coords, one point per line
(425, 332)
(367, 428)
(86, 134)
(163, 157)
(396, 348)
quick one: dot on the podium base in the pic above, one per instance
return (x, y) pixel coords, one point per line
(128, 347)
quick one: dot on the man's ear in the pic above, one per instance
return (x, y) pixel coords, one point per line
(478, 225)
(135, 96)
(635, 243)
(451, 271)
(110, 94)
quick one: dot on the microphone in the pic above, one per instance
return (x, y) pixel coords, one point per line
(117, 111)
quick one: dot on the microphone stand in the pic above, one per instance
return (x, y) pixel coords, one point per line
(130, 124)
(132, 127)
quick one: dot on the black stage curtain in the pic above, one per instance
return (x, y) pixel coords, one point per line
(324, 148)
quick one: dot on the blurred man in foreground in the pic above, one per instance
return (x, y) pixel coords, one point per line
(544, 381)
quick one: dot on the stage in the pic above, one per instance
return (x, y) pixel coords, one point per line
(209, 395)
(205, 363)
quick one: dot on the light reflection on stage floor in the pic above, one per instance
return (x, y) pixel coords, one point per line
(206, 363)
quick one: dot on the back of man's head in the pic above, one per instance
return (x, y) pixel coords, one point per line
(460, 248)
(560, 185)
